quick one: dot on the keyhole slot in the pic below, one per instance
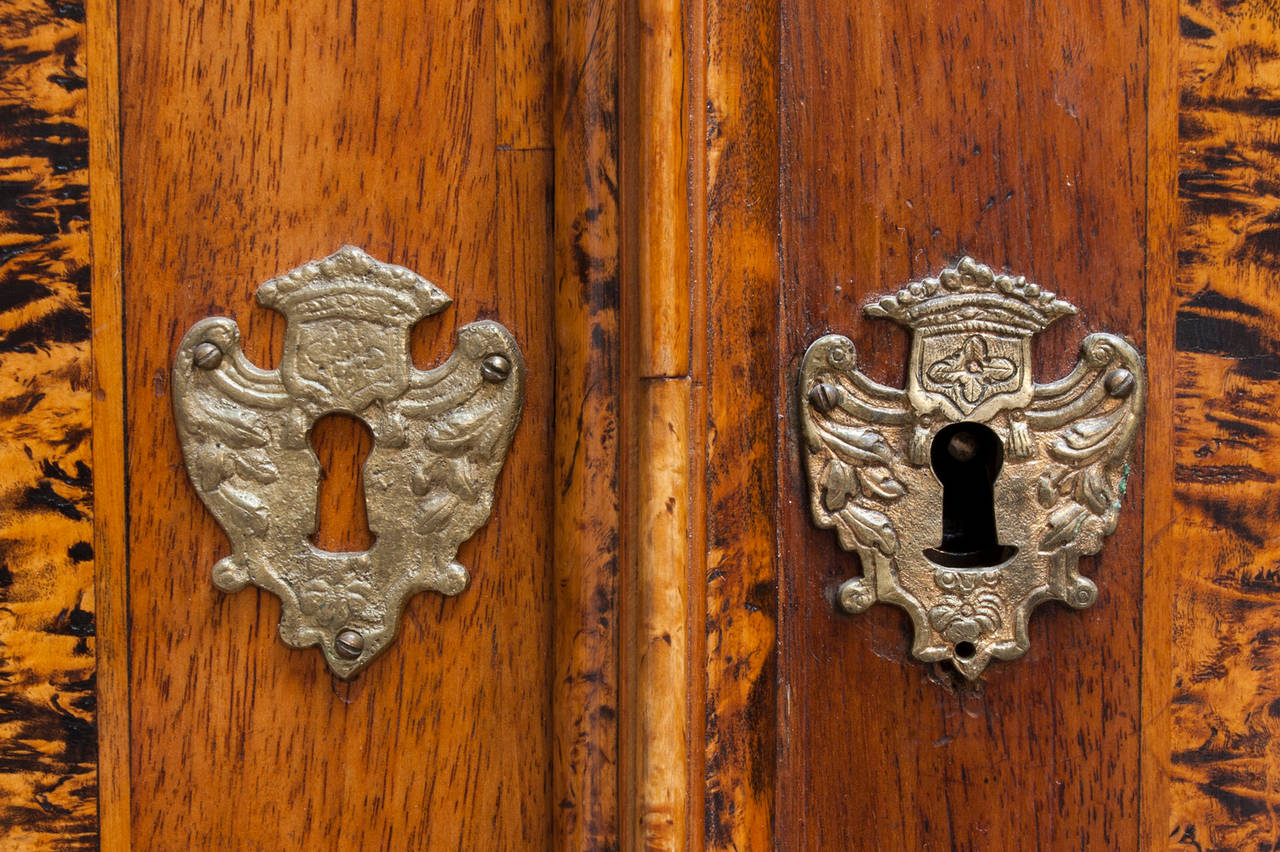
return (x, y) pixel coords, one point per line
(966, 458)
(341, 443)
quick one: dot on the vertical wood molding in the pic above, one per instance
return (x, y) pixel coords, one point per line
(110, 542)
(587, 353)
(658, 798)
(742, 292)
(1225, 711)
(1161, 551)
(48, 746)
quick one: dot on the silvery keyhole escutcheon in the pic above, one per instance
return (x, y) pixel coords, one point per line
(970, 495)
(439, 440)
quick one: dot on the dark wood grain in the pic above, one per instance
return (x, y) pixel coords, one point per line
(1226, 695)
(48, 760)
(915, 132)
(256, 137)
(586, 447)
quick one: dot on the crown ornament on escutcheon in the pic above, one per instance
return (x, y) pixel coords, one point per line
(351, 284)
(971, 339)
(1043, 465)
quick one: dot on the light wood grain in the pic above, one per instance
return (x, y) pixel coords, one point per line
(48, 760)
(107, 349)
(660, 571)
(1225, 712)
(655, 121)
(256, 138)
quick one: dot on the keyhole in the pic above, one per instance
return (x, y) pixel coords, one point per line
(342, 443)
(966, 458)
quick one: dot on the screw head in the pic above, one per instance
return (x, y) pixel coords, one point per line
(495, 369)
(825, 397)
(962, 446)
(1118, 383)
(348, 643)
(207, 356)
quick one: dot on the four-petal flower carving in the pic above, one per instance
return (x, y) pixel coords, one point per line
(972, 369)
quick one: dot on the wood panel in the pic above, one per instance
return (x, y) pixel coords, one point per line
(913, 133)
(48, 759)
(1226, 696)
(256, 138)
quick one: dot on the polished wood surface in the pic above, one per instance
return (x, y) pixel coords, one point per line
(738, 130)
(915, 132)
(665, 200)
(255, 138)
(1225, 751)
(48, 745)
(110, 540)
(586, 511)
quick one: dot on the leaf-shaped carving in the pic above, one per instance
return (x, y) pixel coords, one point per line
(838, 484)
(878, 482)
(1063, 527)
(436, 510)
(256, 465)
(859, 525)
(1096, 492)
(857, 444)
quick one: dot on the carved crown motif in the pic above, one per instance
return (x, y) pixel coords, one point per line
(354, 285)
(971, 297)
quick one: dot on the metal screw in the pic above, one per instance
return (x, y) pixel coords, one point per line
(348, 643)
(495, 369)
(825, 397)
(207, 356)
(1118, 383)
(962, 446)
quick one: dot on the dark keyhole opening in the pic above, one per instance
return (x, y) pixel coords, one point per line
(342, 443)
(966, 458)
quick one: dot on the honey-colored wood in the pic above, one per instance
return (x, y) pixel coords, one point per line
(110, 545)
(740, 373)
(586, 424)
(913, 133)
(660, 570)
(665, 200)
(48, 760)
(659, 779)
(655, 118)
(1225, 710)
(1161, 549)
(255, 138)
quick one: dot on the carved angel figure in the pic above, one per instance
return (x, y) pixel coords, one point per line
(1065, 448)
(440, 438)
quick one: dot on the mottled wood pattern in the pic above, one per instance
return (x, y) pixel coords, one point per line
(48, 780)
(1226, 664)
(586, 375)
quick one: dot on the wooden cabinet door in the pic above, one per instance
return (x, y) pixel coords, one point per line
(665, 202)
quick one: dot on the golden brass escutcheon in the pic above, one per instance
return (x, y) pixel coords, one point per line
(970, 495)
(439, 440)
